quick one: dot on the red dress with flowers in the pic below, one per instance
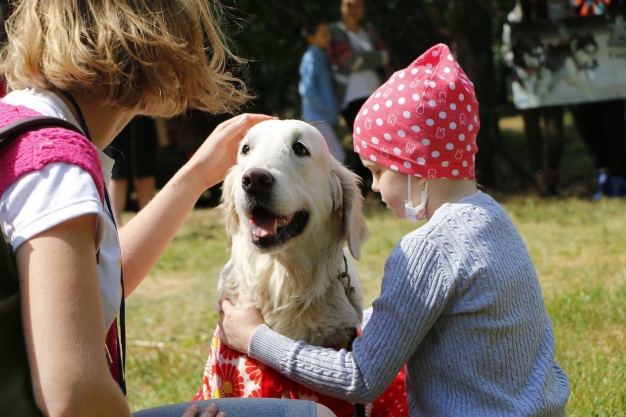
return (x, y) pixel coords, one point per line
(233, 374)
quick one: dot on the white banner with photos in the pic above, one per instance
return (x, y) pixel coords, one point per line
(574, 60)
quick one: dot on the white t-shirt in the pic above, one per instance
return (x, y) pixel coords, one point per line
(59, 192)
(361, 84)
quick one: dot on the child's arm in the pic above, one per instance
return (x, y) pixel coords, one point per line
(63, 323)
(414, 294)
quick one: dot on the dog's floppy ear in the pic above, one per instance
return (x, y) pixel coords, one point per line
(348, 200)
(229, 213)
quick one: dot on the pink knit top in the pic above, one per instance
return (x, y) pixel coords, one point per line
(35, 149)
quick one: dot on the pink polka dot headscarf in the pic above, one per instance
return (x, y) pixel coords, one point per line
(423, 121)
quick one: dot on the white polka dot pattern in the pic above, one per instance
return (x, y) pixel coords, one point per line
(426, 120)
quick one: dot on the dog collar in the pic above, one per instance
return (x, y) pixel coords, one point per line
(344, 280)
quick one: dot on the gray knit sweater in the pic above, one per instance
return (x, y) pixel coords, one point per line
(461, 305)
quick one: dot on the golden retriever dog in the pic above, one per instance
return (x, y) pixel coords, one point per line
(289, 210)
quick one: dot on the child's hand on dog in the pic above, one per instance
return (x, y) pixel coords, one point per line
(238, 324)
(211, 410)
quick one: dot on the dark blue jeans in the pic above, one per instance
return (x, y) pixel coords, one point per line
(240, 407)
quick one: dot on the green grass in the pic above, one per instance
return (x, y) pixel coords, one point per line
(578, 249)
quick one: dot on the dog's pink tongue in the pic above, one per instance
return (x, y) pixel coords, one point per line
(263, 227)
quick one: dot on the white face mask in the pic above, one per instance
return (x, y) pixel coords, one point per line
(416, 214)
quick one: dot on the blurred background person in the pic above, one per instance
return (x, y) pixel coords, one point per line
(134, 150)
(360, 62)
(601, 125)
(319, 104)
(527, 11)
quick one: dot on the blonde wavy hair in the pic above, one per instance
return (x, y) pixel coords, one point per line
(126, 53)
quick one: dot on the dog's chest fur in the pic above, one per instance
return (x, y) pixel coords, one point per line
(303, 302)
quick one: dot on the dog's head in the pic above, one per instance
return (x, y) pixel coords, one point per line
(286, 186)
(585, 50)
(528, 54)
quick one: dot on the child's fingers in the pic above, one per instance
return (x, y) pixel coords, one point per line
(212, 411)
(191, 411)
(245, 120)
(225, 306)
(243, 299)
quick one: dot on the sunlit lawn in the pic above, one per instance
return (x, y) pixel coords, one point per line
(578, 249)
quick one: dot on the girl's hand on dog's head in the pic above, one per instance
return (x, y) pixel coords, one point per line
(219, 151)
(238, 324)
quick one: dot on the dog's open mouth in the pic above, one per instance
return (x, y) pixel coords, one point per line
(269, 230)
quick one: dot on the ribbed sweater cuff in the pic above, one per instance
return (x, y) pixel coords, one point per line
(269, 347)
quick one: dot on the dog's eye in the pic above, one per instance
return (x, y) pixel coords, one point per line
(245, 149)
(299, 149)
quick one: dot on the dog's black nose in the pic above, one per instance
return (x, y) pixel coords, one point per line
(257, 181)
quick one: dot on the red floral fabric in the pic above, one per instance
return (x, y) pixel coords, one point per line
(232, 374)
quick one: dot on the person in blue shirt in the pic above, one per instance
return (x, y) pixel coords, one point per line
(319, 105)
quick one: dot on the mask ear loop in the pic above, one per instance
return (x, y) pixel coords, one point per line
(408, 177)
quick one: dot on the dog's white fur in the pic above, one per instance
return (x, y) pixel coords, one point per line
(295, 285)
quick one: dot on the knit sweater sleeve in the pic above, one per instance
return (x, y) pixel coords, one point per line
(415, 289)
